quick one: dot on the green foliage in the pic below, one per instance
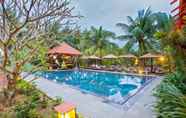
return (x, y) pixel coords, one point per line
(58, 100)
(164, 22)
(174, 42)
(26, 110)
(94, 41)
(171, 93)
(139, 32)
(24, 87)
(171, 102)
(178, 79)
(33, 101)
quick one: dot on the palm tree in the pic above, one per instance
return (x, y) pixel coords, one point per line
(164, 22)
(100, 39)
(139, 32)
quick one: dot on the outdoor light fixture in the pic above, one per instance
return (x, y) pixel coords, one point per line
(66, 110)
(54, 57)
(162, 59)
(136, 62)
(140, 71)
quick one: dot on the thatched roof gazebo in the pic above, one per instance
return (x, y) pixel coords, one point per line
(64, 49)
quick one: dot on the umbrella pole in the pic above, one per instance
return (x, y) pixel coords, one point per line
(151, 65)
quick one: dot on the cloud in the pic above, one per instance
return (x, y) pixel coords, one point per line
(107, 13)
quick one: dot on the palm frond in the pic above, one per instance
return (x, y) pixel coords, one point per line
(123, 26)
(125, 37)
(128, 46)
(130, 20)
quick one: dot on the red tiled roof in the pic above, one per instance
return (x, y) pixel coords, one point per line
(65, 49)
(65, 107)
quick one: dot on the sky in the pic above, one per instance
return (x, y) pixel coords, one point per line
(107, 13)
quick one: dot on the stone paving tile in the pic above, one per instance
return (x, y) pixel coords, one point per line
(94, 107)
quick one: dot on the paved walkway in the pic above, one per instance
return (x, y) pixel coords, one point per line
(93, 107)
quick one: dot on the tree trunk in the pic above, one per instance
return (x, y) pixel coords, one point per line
(5, 58)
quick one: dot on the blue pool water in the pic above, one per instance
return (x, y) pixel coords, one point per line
(100, 83)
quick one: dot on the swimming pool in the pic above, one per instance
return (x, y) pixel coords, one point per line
(115, 87)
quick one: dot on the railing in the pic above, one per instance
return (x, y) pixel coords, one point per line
(181, 9)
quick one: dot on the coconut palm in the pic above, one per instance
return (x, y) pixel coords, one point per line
(173, 41)
(139, 32)
(100, 38)
(164, 22)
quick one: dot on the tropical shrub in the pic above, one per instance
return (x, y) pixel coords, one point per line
(178, 79)
(24, 88)
(171, 102)
(25, 110)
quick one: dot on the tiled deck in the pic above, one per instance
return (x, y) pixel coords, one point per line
(93, 107)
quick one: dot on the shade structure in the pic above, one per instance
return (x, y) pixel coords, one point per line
(110, 56)
(151, 55)
(85, 57)
(128, 56)
(64, 49)
(94, 57)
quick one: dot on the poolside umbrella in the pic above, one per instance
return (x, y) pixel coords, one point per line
(85, 57)
(128, 56)
(150, 56)
(110, 56)
(94, 57)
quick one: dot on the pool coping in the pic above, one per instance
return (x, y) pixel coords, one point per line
(105, 99)
(114, 72)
